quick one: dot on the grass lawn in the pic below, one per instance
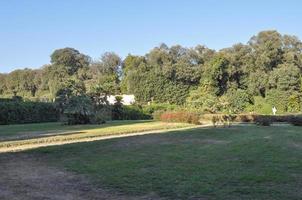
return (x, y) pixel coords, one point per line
(241, 162)
(34, 135)
(39, 129)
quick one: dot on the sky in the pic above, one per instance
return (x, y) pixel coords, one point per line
(30, 30)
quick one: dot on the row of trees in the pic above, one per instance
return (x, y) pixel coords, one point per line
(264, 72)
(70, 73)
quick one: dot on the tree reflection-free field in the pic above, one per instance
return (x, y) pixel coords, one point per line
(241, 162)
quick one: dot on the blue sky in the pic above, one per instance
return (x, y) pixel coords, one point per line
(32, 29)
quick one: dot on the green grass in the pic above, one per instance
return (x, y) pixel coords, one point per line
(55, 127)
(56, 133)
(242, 162)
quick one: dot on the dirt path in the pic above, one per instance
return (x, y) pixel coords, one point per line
(27, 178)
(15, 148)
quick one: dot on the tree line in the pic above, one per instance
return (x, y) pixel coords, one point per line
(255, 76)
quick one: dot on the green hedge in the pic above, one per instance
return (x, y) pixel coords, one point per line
(295, 119)
(5, 100)
(129, 112)
(136, 112)
(14, 112)
(156, 107)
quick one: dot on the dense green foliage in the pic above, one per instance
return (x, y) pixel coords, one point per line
(250, 77)
(131, 112)
(13, 112)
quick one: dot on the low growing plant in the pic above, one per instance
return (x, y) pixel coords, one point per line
(262, 120)
(180, 116)
(296, 120)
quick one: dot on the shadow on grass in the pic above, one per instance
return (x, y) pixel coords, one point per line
(80, 137)
(28, 131)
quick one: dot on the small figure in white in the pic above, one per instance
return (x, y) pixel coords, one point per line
(274, 109)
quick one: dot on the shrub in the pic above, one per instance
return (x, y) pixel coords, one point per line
(260, 106)
(223, 119)
(296, 120)
(294, 103)
(133, 112)
(150, 109)
(215, 120)
(278, 98)
(16, 112)
(128, 112)
(102, 114)
(117, 109)
(237, 100)
(245, 118)
(180, 116)
(203, 102)
(228, 119)
(157, 115)
(263, 120)
(5, 100)
(249, 118)
(79, 110)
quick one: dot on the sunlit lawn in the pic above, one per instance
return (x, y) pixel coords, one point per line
(45, 128)
(33, 135)
(242, 162)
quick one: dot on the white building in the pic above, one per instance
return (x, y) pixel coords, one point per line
(127, 99)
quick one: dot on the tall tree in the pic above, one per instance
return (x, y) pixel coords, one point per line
(267, 46)
(70, 59)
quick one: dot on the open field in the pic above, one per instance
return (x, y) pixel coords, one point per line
(241, 162)
(14, 138)
(20, 131)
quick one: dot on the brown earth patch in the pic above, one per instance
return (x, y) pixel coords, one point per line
(28, 178)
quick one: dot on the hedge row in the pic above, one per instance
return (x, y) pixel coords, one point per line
(180, 116)
(226, 119)
(13, 112)
(264, 120)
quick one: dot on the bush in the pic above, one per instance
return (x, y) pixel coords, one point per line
(294, 103)
(133, 113)
(82, 110)
(128, 112)
(250, 118)
(102, 114)
(154, 107)
(245, 118)
(278, 98)
(296, 120)
(263, 120)
(237, 100)
(216, 119)
(5, 100)
(157, 114)
(203, 101)
(137, 112)
(224, 118)
(181, 116)
(117, 108)
(79, 110)
(17, 112)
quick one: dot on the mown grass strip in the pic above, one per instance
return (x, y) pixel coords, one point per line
(90, 134)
